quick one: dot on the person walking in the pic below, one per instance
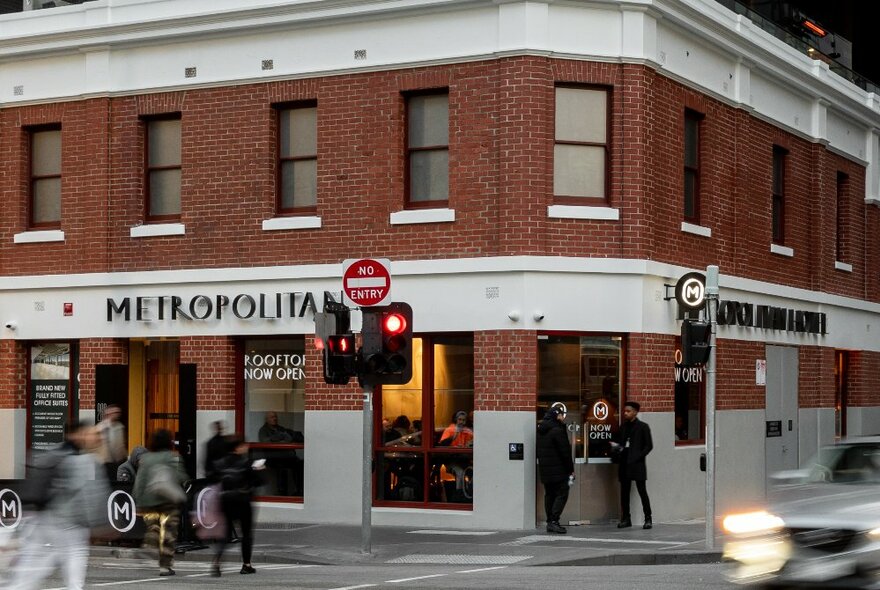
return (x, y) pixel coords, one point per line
(238, 480)
(128, 470)
(555, 466)
(75, 490)
(158, 494)
(634, 441)
(112, 449)
(215, 448)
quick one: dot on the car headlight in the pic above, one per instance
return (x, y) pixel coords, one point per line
(875, 534)
(752, 522)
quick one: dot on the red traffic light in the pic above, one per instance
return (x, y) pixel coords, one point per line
(393, 323)
(341, 344)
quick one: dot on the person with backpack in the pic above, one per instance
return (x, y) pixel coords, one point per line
(69, 491)
(239, 478)
(158, 494)
(555, 466)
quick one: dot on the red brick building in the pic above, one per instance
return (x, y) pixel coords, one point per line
(177, 204)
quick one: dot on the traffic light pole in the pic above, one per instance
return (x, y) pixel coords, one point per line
(367, 473)
(711, 311)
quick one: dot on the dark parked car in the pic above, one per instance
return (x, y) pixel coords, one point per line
(821, 527)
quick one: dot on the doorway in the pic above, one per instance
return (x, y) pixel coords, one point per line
(781, 409)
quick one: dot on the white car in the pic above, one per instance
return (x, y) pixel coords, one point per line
(821, 528)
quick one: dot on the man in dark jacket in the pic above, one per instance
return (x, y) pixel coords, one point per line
(554, 466)
(636, 443)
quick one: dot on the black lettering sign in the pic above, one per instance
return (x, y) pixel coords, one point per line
(774, 428)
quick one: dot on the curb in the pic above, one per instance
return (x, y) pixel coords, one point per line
(704, 557)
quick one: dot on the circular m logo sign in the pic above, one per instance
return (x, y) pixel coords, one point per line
(690, 290)
(121, 511)
(600, 410)
(10, 509)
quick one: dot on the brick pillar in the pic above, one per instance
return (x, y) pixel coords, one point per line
(215, 373)
(13, 374)
(650, 361)
(505, 370)
(93, 352)
(816, 387)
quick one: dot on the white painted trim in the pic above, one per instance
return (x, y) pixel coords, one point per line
(149, 230)
(280, 223)
(582, 212)
(35, 237)
(697, 230)
(408, 216)
(781, 250)
(842, 266)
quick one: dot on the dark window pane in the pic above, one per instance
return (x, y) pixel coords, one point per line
(429, 175)
(283, 475)
(400, 476)
(778, 172)
(691, 141)
(47, 200)
(451, 478)
(690, 194)
(778, 217)
(165, 192)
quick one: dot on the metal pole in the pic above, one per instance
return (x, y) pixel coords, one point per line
(711, 310)
(367, 473)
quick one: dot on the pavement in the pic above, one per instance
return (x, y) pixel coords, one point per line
(680, 542)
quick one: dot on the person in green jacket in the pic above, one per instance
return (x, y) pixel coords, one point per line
(158, 495)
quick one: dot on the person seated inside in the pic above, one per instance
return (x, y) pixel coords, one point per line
(457, 434)
(282, 461)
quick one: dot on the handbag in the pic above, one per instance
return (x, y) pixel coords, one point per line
(164, 486)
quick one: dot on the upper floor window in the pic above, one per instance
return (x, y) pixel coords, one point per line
(841, 217)
(580, 152)
(162, 181)
(778, 222)
(692, 120)
(297, 184)
(45, 181)
(427, 149)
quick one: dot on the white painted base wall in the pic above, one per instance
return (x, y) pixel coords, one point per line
(862, 421)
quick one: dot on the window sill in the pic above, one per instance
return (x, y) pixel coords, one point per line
(690, 444)
(149, 230)
(408, 216)
(697, 230)
(582, 212)
(781, 250)
(842, 266)
(282, 223)
(38, 236)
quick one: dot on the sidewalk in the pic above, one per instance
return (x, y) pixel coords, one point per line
(595, 545)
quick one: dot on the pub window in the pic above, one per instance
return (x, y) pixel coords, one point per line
(841, 391)
(274, 411)
(163, 168)
(425, 430)
(427, 149)
(580, 151)
(778, 206)
(585, 374)
(692, 124)
(690, 402)
(297, 184)
(45, 177)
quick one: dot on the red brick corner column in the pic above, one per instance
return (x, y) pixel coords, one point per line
(215, 373)
(505, 370)
(320, 395)
(13, 375)
(650, 365)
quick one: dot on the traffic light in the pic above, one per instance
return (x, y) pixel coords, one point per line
(695, 347)
(387, 344)
(334, 339)
(339, 359)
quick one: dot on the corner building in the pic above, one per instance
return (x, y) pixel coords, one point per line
(181, 181)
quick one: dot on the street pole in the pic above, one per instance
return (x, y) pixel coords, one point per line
(711, 311)
(367, 473)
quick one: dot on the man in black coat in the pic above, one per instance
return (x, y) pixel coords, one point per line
(554, 466)
(635, 440)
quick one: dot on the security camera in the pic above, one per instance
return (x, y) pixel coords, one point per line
(538, 316)
(11, 325)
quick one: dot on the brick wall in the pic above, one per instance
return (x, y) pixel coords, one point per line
(649, 370)
(505, 370)
(13, 373)
(97, 351)
(735, 363)
(816, 387)
(864, 374)
(215, 374)
(501, 146)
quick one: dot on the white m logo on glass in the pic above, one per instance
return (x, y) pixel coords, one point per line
(10, 509)
(121, 511)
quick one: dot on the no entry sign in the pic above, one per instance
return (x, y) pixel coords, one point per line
(366, 282)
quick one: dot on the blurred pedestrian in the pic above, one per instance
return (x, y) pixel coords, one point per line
(158, 494)
(555, 466)
(216, 448)
(238, 480)
(635, 442)
(112, 448)
(75, 495)
(128, 470)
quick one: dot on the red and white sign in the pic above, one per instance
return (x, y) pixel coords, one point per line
(366, 282)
